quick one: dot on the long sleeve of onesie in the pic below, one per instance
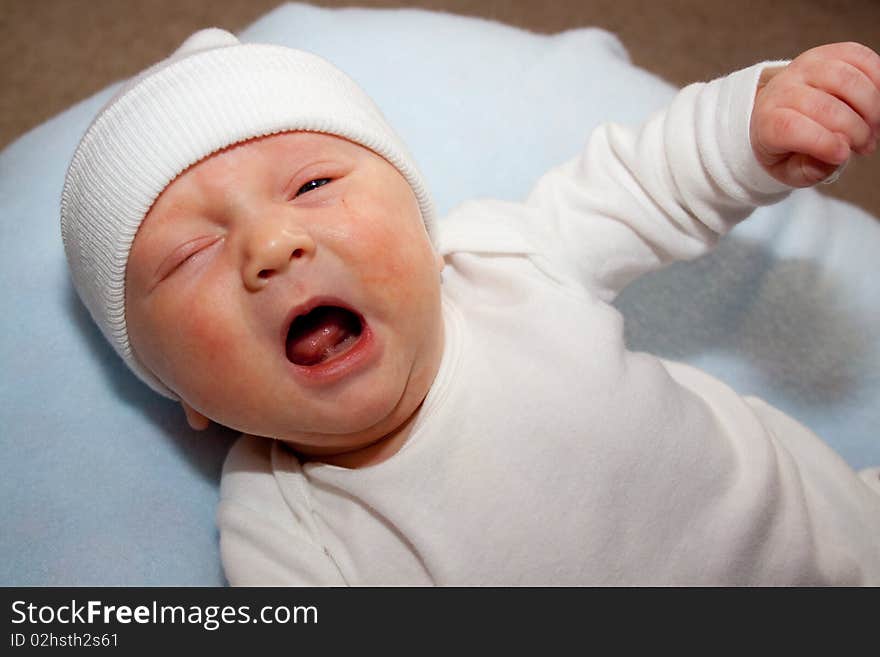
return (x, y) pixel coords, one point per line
(636, 199)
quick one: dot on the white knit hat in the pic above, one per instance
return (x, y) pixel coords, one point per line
(212, 92)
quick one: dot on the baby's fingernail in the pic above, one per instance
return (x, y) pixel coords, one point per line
(812, 173)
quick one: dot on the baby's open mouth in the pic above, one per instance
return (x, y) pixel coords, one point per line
(321, 334)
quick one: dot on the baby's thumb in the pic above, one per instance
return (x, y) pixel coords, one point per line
(804, 170)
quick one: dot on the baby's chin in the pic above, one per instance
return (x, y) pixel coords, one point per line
(373, 403)
(354, 425)
(359, 412)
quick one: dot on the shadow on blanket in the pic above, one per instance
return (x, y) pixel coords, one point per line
(783, 318)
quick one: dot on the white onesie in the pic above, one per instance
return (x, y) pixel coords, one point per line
(546, 453)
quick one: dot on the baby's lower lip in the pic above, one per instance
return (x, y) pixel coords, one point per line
(363, 352)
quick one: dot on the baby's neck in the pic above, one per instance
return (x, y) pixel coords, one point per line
(372, 454)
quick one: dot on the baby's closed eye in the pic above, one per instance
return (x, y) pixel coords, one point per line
(185, 253)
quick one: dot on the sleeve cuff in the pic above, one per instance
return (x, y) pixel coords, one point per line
(737, 99)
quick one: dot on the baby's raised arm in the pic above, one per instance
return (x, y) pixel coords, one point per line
(811, 115)
(637, 198)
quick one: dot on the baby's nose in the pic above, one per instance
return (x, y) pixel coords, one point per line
(270, 252)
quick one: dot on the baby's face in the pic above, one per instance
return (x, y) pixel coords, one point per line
(286, 287)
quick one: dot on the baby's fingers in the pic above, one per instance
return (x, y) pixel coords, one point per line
(856, 55)
(833, 114)
(785, 131)
(850, 85)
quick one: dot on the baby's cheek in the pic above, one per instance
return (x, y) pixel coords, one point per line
(399, 274)
(211, 368)
(206, 333)
(196, 349)
(392, 251)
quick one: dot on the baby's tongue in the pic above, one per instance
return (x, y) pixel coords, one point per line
(325, 331)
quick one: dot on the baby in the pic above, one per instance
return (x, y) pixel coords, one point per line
(452, 402)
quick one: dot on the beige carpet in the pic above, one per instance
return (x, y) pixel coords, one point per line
(56, 52)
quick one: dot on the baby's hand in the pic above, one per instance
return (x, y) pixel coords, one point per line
(812, 114)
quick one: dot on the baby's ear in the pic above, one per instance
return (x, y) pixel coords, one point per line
(195, 419)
